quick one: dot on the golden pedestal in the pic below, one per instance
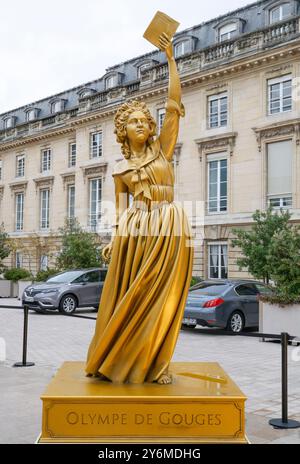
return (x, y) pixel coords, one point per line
(203, 405)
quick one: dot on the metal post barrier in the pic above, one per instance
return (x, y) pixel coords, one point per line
(24, 362)
(284, 422)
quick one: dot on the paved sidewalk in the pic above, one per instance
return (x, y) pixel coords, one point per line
(53, 339)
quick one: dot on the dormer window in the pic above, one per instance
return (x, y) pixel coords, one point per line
(181, 48)
(143, 67)
(142, 64)
(229, 28)
(10, 122)
(57, 106)
(85, 92)
(227, 32)
(31, 114)
(111, 82)
(280, 12)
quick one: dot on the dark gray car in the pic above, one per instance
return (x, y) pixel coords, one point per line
(230, 304)
(66, 291)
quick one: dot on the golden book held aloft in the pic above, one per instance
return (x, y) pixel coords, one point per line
(159, 24)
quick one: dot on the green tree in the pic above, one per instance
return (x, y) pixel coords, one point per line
(284, 263)
(256, 244)
(4, 246)
(80, 249)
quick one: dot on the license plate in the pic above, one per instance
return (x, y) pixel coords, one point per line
(189, 321)
(29, 299)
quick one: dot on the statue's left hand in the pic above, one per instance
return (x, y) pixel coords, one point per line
(165, 44)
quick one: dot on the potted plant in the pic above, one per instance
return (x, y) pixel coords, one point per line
(270, 251)
(20, 279)
(280, 312)
(5, 249)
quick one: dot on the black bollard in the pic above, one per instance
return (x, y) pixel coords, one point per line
(24, 362)
(284, 422)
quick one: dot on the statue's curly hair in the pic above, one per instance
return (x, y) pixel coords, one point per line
(121, 119)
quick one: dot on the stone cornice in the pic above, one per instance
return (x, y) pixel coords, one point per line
(94, 170)
(279, 129)
(44, 182)
(220, 70)
(35, 138)
(18, 185)
(216, 142)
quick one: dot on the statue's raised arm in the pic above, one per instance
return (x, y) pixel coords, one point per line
(174, 108)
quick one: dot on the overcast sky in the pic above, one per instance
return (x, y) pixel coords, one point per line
(48, 46)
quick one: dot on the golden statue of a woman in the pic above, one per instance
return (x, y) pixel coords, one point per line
(147, 283)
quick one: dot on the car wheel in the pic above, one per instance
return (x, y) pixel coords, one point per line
(68, 304)
(189, 326)
(236, 322)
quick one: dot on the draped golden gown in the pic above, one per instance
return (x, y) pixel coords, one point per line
(145, 291)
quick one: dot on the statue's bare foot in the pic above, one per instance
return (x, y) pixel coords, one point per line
(165, 379)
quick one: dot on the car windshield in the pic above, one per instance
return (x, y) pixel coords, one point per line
(210, 288)
(65, 277)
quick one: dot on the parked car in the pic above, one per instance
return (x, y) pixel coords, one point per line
(66, 291)
(230, 304)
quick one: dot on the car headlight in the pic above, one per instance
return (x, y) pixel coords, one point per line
(49, 290)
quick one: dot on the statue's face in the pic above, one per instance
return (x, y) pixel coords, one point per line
(138, 128)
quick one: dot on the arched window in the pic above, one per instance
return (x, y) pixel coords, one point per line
(31, 114)
(142, 67)
(181, 48)
(57, 105)
(227, 32)
(111, 81)
(10, 122)
(85, 92)
(280, 12)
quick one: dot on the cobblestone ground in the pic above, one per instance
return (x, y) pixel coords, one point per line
(53, 339)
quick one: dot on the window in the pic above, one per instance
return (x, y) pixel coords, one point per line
(246, 290)
(0, 169)
(218, 110)
(161, 113)
(217, 185)
(20, 166)
(57, 106)
(263, 289)
(218, 259)
(31, 115)
(96, 144)
(279, 168)
(43, 263)
(71, 201)
(72, 154)
(280, 12)
(95, 203)
(111, 82)
(89, 277)
(44, 209)
(46, 160)
(181, 48)
(9, 123)
(227, 32)
(143, 67)
(280, 94)
(19, 211)
(19, 259)
(85, 93)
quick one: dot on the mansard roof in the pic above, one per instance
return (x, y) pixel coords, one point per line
(252, 15)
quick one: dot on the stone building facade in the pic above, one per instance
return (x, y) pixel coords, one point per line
(238, 148)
